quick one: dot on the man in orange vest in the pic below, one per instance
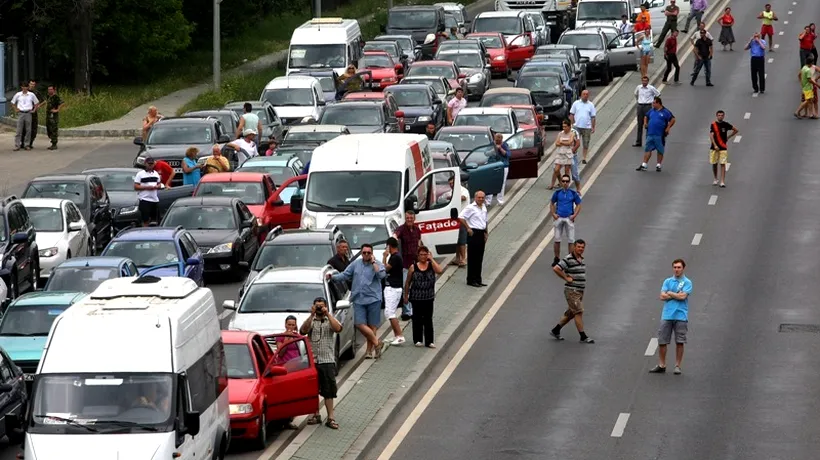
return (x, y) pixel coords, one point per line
(719, 133)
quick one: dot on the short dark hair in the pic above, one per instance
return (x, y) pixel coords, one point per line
(319, 299)
(581, 242)
(367, 245)
(659, 100)
(809, 59)
(410, 211)
(423, 248)
(679, 261)
(52, 86)
(248, 107)
(719, 112)
(623, 16)
(392, 242)
(291, 317)
(460, 89)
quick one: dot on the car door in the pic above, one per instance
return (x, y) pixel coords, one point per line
(339, 290)
(622, 57)
(191, 250)
(485, 175)
(11, 402)
(17, 224)
(132, 268)
(275, 124)
(277, 208)
(248, 235)
(524, 149)
(76, 238)
(97, 215)
(439, 231)
(293, 390)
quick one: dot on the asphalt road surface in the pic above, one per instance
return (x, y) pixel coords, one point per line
(747, 391)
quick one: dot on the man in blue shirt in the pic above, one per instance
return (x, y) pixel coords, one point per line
(658, 122)
(757, 50)
(564, 207)
(366, 274)
(502, 154)
(675, 294)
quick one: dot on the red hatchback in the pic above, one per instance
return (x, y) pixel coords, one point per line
(385, 72)
(503, 57)
(263, 387)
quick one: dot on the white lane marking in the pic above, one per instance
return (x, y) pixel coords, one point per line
(728, 165)
(650, 349)
(790, 12)
(771, 60)
(755, 95)
(765, 75)
(780, 33)
(696, 239)
(713, 198)
(620, 425)
(776, 45)
(737, 139)
(785, 22)
(747, 115)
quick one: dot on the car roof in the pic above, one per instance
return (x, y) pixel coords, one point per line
(516, 106)
(311, 275)
(583, 31)
(507, 90)
(541, 73)
(68, 177)
(499, 14)
(237, 337)
(376, 53)
(147, 233)
(303, 236)
(557, 46)
(111, 170)
(351, 219)
(369, 102)
(432, 62)
(240, 104)
(43, 202)
(439, 146)
(205, 200)
(463, 41)
(419, 86)
(183, 120)
(464, 129)
(394, 36)
(95, 262)
(485, 111)
(415, 7)
(317, 129)
(484, 34)
(278, 160)
(216, 111)
(292, 81)
(55, 298)
(233, 177)
(459, 51)
(384, 40)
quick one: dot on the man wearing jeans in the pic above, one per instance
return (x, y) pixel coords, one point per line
(698, 8)
(564, 207)
(675, 294)
(24, 102)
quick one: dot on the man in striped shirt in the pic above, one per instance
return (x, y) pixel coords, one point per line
(573, 271)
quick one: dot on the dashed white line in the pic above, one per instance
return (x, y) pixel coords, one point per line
(770, 60)
(765, 75)
(790, 11)
(713, 199)
(776, 45)
(620, 425)
(780, 33)
(650, 349)
(737, 139)
(785, 22)
(696, 239)
(747, 115)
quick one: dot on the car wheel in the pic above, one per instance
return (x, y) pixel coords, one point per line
(605, 77)
(336, 355)
(35, 276)
(14, 286)
(350, 353)
(261, 440)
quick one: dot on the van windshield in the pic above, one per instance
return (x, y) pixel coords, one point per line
(601, 11)
(288, 97)
(103, 403)
(340, 191)
(412, 19)
(317, 56)
(504, 25)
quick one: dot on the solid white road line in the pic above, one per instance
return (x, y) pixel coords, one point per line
(765, 75)
(225, 314)
(737, 139)
(747, 115)
(650, 349)
(771, 60)
(620, 425)
(696, 239)
(790, 11)
(713, 199)
(785, 22)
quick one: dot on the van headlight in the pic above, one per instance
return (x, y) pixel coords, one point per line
(237, 409)
(423, 119)
(308, 222)
(224, 247)
(430, 38)
(50, 252)
(557, 102)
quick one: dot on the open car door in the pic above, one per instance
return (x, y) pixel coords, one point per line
(434, 209)
(277, 207)
(524, 148)
(293, 387)
(520, 49)
(486, 174)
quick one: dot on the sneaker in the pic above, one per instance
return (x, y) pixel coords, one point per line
(678, 371)
(722, 185)
(587, 340)
(657, 370)
(709, 84)
(640, 168)
(419, 344)
(715, 182)
(432, 345)
(556, 336)
(658, 168)
(692, 83)
(397, 341)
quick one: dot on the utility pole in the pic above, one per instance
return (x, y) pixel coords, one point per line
(217, 58)
(317, 8)
(389, 4)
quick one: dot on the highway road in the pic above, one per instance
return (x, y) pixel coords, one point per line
(749, 387)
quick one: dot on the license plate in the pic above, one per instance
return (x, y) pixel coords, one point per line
(407, 127)
(546, 117)
(177, 170)
(28, 377)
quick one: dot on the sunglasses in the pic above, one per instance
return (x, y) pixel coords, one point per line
(366, 253)
(564, 181)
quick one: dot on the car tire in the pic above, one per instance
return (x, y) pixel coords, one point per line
(606, 76)
(14, 286)
(16, 436)
(34, 277)
(261, 440)
(350, 353)
(336, 355)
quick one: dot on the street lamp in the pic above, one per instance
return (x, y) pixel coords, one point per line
(217, 58)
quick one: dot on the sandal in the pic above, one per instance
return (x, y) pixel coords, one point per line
(291, 426)
(379, 349)
(330, 423)
(315, 419)
(462, 264)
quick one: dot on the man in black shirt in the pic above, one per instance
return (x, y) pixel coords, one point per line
(671, 12)
(393, 283)
(703, 58)
(719, 133)
(341, 260)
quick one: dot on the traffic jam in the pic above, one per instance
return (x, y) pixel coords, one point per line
(264, 193)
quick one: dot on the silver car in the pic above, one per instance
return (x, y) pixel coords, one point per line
(542, 30)
(474, 65)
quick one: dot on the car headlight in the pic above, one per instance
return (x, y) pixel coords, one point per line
(557, 101)
(49, 252)
(237, 409)
(476, 78)
(389, 80)
(140, 160)
(599, 57)
(430, 38)
(421, 119)
(308, 222)
(129, 210)
(500, 58)
(224, 247)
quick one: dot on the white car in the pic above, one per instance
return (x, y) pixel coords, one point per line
(62, 233)
(359, 229)
(500, 120)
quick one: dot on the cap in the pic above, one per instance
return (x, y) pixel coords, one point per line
(248, 131)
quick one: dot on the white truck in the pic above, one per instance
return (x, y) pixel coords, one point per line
(559, 14)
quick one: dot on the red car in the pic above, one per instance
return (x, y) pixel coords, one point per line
(503, 57)
(253, 189)
(446, 69)
(529, 118)
(277, 208)
(385, 71)
(262, 387)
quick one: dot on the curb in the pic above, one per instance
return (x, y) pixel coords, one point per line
(81, 133)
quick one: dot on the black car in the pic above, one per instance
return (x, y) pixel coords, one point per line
(571, 52)
(19, 255)
(420, 21)
(272, 126)
(547, 90)
(169, 138)
(361, 117)
(13, 399)
(119, 183)
(329, 80)
(420, 104)
(302, 151)
(88, 193)
(408, 46)
(229, 118)
(223, 228)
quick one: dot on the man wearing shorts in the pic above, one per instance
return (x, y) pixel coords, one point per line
(573, 271)
(146, 182)
(767, 17)
(392, 290)
(366, 275)
(564, 207)
(582, 115)
(675, 294)
(658, 122)
(320, 328)
(719, 133)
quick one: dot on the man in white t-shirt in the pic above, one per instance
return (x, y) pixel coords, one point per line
(24, 102)
(247, 143)
(455, 105)
(147, 182)
(582, 115)
(248, 120)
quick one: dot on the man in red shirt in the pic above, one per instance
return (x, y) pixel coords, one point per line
(166, 172)
(409, 236)
(806, 39)
(670, 53)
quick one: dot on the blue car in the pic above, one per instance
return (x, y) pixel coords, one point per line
(84, 274)
(162, 251)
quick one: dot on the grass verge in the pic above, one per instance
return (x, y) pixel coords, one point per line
(246, 87)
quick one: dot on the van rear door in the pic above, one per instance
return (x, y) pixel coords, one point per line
(433, 199)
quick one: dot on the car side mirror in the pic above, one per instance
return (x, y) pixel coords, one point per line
(276, 371)
(539, 109)
(296, 204)
(465, 176)
(342, 305)
(634, 17)
(471, 165)
(248, 223)
(243, 264)
(138, 141)
(612, 46)
(453, 213)
(399, 113)
(511, 78)
(192, 261)
(462, 75)
(191, 420)
(6, 387)
(229, 305)
(488, 66)
(584, 60)
(398, 68)
(224, 139)
(410, 203)
(75, 226)
(321, 102)
(276, 202)
(19, 238)
(578, 73)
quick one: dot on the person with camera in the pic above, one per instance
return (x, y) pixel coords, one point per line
(320, 328)
(147, 182)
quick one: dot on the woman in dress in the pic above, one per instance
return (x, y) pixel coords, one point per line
(420, 290)
(727, 37)
(563, 152)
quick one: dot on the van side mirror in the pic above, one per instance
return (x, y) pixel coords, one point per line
(229, 305)
(192, 261)
(191, 420)
(634, 17)
(410, 203)
(465, 176)
(19, 238)
(5, 387)
(296, 204)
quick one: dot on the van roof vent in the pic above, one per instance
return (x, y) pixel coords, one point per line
(326, 21)
(171, 287)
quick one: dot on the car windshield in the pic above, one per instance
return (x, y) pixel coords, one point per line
(176, 134)
(597, 11)
(288, 97)
(427, 70)
(539, 84)
(281, 297)
(525, 116)
(471, 60)
(583, 41)
(450, 21)
(498, 123)
(81, 279)
(239, 360)
(279, 174)
(557, 54)
(46, 219)
(405, 44)
(411, 97)
(327, 83)
(227, 120)
(344, 114)
(357, 235)
(144, 253)
(316, 56)
(464, 142)
(490, 100)
(441, 179)
(376, 61)
(247, 192)
(314, 136)
(411, 19)
(83, 403)
(537, 19)
(490, 41)
(116, 181)
(543, 66)
(436, 83)
(457, 14)
(29, 321)
(293, 255)
(352, 191)
(74, 191)
(201, 217)
(506, 26)
(387, 47)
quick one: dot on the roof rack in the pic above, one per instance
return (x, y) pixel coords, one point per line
(9, 199)
(276, 231)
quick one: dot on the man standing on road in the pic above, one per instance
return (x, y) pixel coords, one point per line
(340, 260)
(55, 104)
(645, 94)
(573, 271)
(146, 182)
(757, 50)
(503, 153)
(658, 122)
(670, 54)
(409, 236)
(576, 175)
(767, 27)
(455, 105)
(393, 290)
(698, 8)
(366, 274)
(35, 119)
(671, 12)
(719, 134)
(320, 328)
(249, 120)
(474, 218)
(806, 39)
(807, 85)
(703, 58)
(565, 205)
(582, 115)
(25, 103)
(675, 294)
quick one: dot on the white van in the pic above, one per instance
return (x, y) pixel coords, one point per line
(135, 371)
(325, 43)
(295, 97)
(604, 12)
